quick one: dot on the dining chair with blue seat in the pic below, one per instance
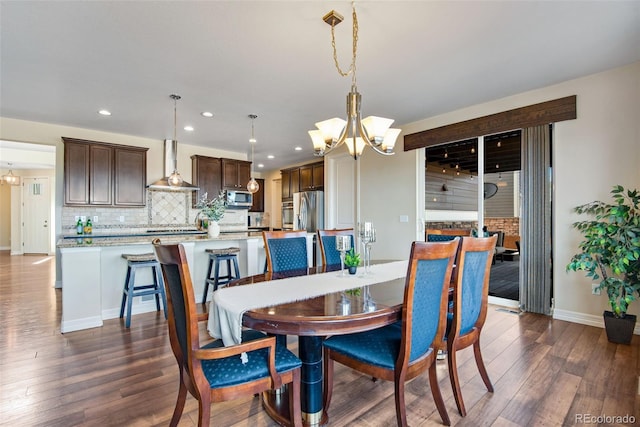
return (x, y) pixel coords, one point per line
(403, 350)
(327, 242)
(214, 373)
(467, 317)
(286, 252)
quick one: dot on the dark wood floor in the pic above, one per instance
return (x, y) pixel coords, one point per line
(545, 372)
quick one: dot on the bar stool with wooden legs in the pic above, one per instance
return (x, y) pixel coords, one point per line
(216, 256)
(131, 290)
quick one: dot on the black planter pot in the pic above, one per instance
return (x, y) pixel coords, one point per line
(353, 270)
(619, 329)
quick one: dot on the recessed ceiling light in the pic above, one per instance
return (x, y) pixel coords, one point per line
(104, 112)
(298, 148)
(206, 114)
(188, 128)
(271, 156)
(260, 165)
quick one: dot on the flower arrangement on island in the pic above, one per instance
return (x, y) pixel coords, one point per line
(212, 209)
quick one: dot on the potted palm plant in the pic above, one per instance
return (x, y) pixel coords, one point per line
(352, 261)
(610, 256)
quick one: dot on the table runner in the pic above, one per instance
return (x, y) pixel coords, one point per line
(229, 304)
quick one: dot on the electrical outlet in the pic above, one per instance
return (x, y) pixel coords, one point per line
(404, 218)
(95, 219)
(594, 289)
(83, 218)
(121, 218)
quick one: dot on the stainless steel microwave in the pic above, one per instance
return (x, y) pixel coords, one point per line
(239, 199)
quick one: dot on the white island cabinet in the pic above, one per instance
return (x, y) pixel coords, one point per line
(93, 273)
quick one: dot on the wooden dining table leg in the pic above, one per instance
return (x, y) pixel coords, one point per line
(310, 352)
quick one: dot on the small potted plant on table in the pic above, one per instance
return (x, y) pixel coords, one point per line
(610, 256)
(352, 261)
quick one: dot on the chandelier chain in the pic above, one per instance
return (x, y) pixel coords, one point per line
(352, 67)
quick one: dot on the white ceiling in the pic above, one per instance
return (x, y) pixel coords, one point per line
(61, 61)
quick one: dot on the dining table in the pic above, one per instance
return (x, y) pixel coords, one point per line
(310, 304)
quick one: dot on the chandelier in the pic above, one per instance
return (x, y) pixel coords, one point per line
(10, 178)
(357, 133)
(252, 185)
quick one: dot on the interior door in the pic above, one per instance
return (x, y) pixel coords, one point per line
(36, 215)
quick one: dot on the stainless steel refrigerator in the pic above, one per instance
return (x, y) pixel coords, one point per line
(308, 211)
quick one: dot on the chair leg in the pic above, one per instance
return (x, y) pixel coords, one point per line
(455, 383)
(437, 395)
(130, 285)
(328, 380)
(182, 397)
(156, 283)
(216, 275)
(295, 411)
(204, 411)
(401, 409)
(163, 296)
(481, 367)
(125, 292)
(206, 282)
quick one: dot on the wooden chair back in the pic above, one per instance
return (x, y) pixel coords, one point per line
(327, 242)
(286, 251)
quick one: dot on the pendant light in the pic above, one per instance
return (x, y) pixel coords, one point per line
(10, 178)
(175, 180)
(252, 185)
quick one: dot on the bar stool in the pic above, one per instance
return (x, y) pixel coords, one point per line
(216, 256)
(131, 290)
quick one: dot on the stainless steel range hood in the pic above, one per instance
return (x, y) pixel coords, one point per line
(171, 165)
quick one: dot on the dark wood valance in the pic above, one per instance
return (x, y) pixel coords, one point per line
(543, 113)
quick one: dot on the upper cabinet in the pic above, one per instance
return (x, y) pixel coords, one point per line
(304, 178)
(258, 197)
(101, 174)
(235, 174)
(312, 177)
(207, 172)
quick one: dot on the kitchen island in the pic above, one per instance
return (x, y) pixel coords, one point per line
(93, 271)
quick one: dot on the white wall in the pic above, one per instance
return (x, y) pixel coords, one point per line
(599, 149)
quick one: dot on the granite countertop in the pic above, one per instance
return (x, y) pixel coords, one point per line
(88, 241)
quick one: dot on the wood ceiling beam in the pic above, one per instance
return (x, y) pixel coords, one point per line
(543, 113)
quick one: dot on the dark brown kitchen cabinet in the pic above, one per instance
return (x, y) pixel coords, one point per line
(130, 176)
(235, 174)
(258, 198)
(312, 177)
(207, 172)
(76, 173)
(102, 174)
(290, 181)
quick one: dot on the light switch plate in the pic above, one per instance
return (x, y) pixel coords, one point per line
(404, 218)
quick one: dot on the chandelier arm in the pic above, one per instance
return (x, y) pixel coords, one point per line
(379, 151)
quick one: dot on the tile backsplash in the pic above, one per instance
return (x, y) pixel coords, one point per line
(164, 209)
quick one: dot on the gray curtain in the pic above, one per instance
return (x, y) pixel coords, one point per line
(535, 222)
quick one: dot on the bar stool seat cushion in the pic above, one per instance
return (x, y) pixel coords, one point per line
(139, 257)
(223, 251)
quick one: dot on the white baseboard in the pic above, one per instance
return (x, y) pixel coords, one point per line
(5, 248)
(78, 324)
(584, 319)
(504, 302)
